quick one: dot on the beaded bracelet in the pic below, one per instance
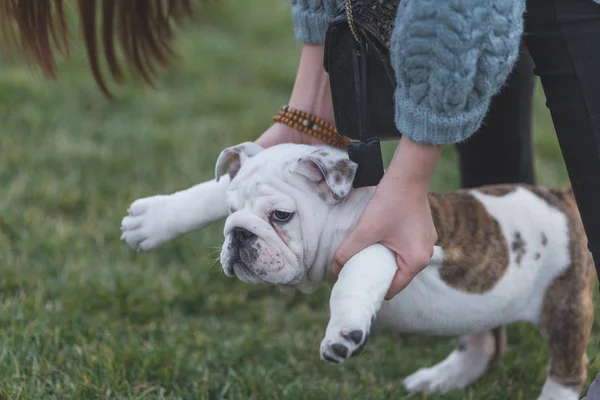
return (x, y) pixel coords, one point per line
(311, 125)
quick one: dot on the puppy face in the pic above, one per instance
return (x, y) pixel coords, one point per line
(263, 234)
(279, 200)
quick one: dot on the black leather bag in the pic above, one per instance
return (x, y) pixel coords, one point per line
(362, 80)
(357, 58)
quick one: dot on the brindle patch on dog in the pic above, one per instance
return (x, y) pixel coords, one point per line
(498, 190)
(566, 325)
(462, 222)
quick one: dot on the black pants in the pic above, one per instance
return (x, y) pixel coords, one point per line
(563, 39)
(501, 150)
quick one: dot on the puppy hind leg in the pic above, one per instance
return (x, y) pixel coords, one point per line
(463, 366)
(566, 325)
(567, 367)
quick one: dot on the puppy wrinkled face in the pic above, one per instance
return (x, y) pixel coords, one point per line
(278, 203)
(263, 234)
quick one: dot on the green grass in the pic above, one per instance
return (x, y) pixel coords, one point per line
(83, 317)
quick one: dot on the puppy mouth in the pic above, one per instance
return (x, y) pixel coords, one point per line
(243, 272)
(238, 265)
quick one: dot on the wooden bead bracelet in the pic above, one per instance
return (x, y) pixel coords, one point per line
(311, 125)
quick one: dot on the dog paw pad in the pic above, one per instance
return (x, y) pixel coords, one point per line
(343, 345)
(356, 336)
(340, 350)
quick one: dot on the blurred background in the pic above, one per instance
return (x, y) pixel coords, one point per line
(83, 316)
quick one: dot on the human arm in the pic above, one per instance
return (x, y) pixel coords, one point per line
(311, 93)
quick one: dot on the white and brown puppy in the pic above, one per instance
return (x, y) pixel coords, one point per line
(505, 254)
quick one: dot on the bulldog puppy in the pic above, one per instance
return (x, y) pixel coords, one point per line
(505, 253)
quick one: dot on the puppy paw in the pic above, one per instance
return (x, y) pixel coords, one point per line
(342, 342)
(432, 380)
(463, 366)
(553, 390)
(456, 372)
(150, 222)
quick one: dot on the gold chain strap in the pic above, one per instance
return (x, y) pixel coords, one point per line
(351, 21)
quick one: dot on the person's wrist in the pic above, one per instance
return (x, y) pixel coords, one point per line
(311, 92)
(412, 166)
(404, 190)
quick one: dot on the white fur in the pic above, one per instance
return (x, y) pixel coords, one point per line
(458, 370)
(357, 296)
(555, 391)
(154, 220)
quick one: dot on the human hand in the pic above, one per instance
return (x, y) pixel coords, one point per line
(398, 216)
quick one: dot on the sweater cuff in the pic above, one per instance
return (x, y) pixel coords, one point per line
(310, 26)
(425, 126)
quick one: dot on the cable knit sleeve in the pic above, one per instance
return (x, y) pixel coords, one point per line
(450, 58)
(311, 19)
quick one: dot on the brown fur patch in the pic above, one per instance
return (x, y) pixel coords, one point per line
(463, 223)
(497, 190)
(568, 311)
(549, 196)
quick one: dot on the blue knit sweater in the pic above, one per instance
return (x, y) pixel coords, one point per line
(450, 57)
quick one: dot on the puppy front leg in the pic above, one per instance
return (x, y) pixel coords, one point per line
(155, 220)
(355, 299)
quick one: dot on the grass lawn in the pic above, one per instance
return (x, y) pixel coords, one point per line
(83, 317)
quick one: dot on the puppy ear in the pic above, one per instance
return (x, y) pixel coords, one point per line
(242, 151)
(330, 169)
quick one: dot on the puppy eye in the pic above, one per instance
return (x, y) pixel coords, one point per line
(281, 216)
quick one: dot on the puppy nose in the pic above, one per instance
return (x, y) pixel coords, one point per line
(241, 235)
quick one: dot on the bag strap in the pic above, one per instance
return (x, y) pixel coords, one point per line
(350, 19)
(367, 152)
(359, 60)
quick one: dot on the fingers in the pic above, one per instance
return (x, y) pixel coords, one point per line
(400, 281)
(354, 243)
(405, 274)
